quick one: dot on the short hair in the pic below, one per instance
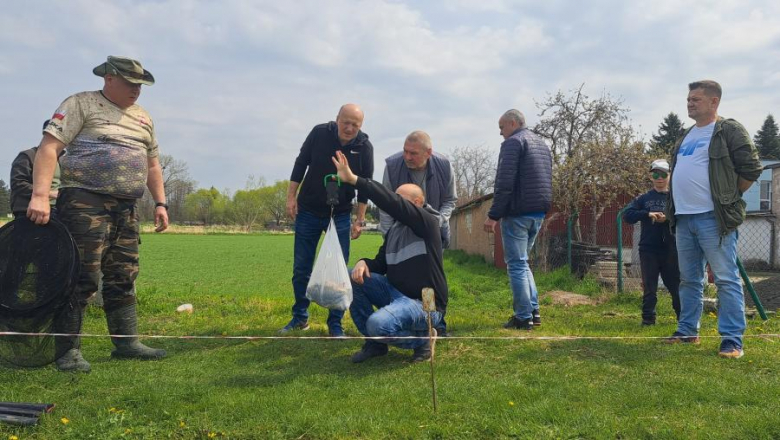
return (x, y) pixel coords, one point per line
(710, 87)
(516, 116)
(420, 137)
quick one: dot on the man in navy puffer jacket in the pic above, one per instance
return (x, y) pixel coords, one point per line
(521, 197)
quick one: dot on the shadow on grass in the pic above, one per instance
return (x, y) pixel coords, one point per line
(283, 361)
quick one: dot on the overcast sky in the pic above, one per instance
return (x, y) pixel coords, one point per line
(241, 83)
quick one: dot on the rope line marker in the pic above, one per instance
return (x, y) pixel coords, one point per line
(768, 336)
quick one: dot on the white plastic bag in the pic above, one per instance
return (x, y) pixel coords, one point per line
(329, 285)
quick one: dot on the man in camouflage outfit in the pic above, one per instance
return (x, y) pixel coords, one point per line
(112, 155)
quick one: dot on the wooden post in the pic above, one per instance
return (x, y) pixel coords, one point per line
(429, 305)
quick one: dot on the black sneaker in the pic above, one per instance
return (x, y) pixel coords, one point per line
(370, 350)
(422, 353)
(294, 325)
(648, 321)
(536, 317)
(522, 324)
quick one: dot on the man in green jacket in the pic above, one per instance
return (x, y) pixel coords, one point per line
(713, 164)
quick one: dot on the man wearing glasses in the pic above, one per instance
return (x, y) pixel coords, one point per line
(112, 157)
(657, 250)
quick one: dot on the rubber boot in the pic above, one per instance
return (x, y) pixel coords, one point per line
(67, 349)
(124, 321)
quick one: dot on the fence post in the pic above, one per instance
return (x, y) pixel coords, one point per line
(620, 249)
(569, 233)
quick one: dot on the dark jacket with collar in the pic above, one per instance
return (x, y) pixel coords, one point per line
(411, 254)
(732, 155)
(656, 238)
(524, 176)
(316, 153)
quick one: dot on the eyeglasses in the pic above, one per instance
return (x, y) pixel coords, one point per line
(660, 175)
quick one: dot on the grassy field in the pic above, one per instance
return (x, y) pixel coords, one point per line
(308, 389)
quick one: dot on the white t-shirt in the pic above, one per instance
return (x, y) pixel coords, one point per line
(691, 177)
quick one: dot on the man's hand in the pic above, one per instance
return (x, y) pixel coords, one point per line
(39, 210)
(356, 230)
(53, 194)
(342, 167)
(490, 225)
(292, 207)
(657, 217)
(160, 219)
(359, 271)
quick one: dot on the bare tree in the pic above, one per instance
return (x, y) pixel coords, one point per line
(596, 154)
(567, 122)
(475, 171)
(178, 184)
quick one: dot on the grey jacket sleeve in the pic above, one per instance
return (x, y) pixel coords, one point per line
(450, 199)
(385, 221)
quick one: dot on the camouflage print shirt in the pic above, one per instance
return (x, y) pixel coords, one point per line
(108, 147)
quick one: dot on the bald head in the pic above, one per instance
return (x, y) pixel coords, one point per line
(412, 193)
(349, 121)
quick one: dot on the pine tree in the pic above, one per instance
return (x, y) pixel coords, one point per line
(5, 203)
(767, 140)
(668, 132)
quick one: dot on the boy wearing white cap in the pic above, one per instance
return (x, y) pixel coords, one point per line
(657, 249)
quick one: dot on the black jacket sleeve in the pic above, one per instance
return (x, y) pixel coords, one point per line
(508, 158)
(21, 182)
(379, 263)
(367, 169)
(303, 160)
(396, 206)
(635, 211)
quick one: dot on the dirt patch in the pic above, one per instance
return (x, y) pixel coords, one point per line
(568, 299)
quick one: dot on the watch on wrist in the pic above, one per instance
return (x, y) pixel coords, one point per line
(161, 204)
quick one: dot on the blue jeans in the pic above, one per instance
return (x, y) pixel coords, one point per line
(308, 230)
(698, 239)
(397, 314)
(518, 234)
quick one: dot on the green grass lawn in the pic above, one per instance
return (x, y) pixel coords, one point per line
(308, 389)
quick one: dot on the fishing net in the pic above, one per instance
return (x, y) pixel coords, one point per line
(39, 269)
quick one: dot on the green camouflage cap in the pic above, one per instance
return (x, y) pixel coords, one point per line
(127, 68)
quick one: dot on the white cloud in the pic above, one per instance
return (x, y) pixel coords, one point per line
(240, 83)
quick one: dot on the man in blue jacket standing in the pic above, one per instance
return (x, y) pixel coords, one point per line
(521, 197)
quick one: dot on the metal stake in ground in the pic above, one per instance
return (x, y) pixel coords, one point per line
(429, 305)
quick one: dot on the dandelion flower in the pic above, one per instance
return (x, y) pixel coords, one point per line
(64, 420)
(182, 424)
(511, 403)
(212, 434)
(13, 437)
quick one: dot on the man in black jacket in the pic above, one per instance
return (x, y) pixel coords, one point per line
(409, 260)
(521, 198)
(309, 208)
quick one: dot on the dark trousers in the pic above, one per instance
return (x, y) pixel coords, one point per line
(652, 265)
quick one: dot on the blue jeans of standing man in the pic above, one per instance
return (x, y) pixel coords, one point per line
(518, 234)
(397, 314)
(699, 240)
(308, 230)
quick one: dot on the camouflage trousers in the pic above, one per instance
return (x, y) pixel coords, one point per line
(105, 230)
